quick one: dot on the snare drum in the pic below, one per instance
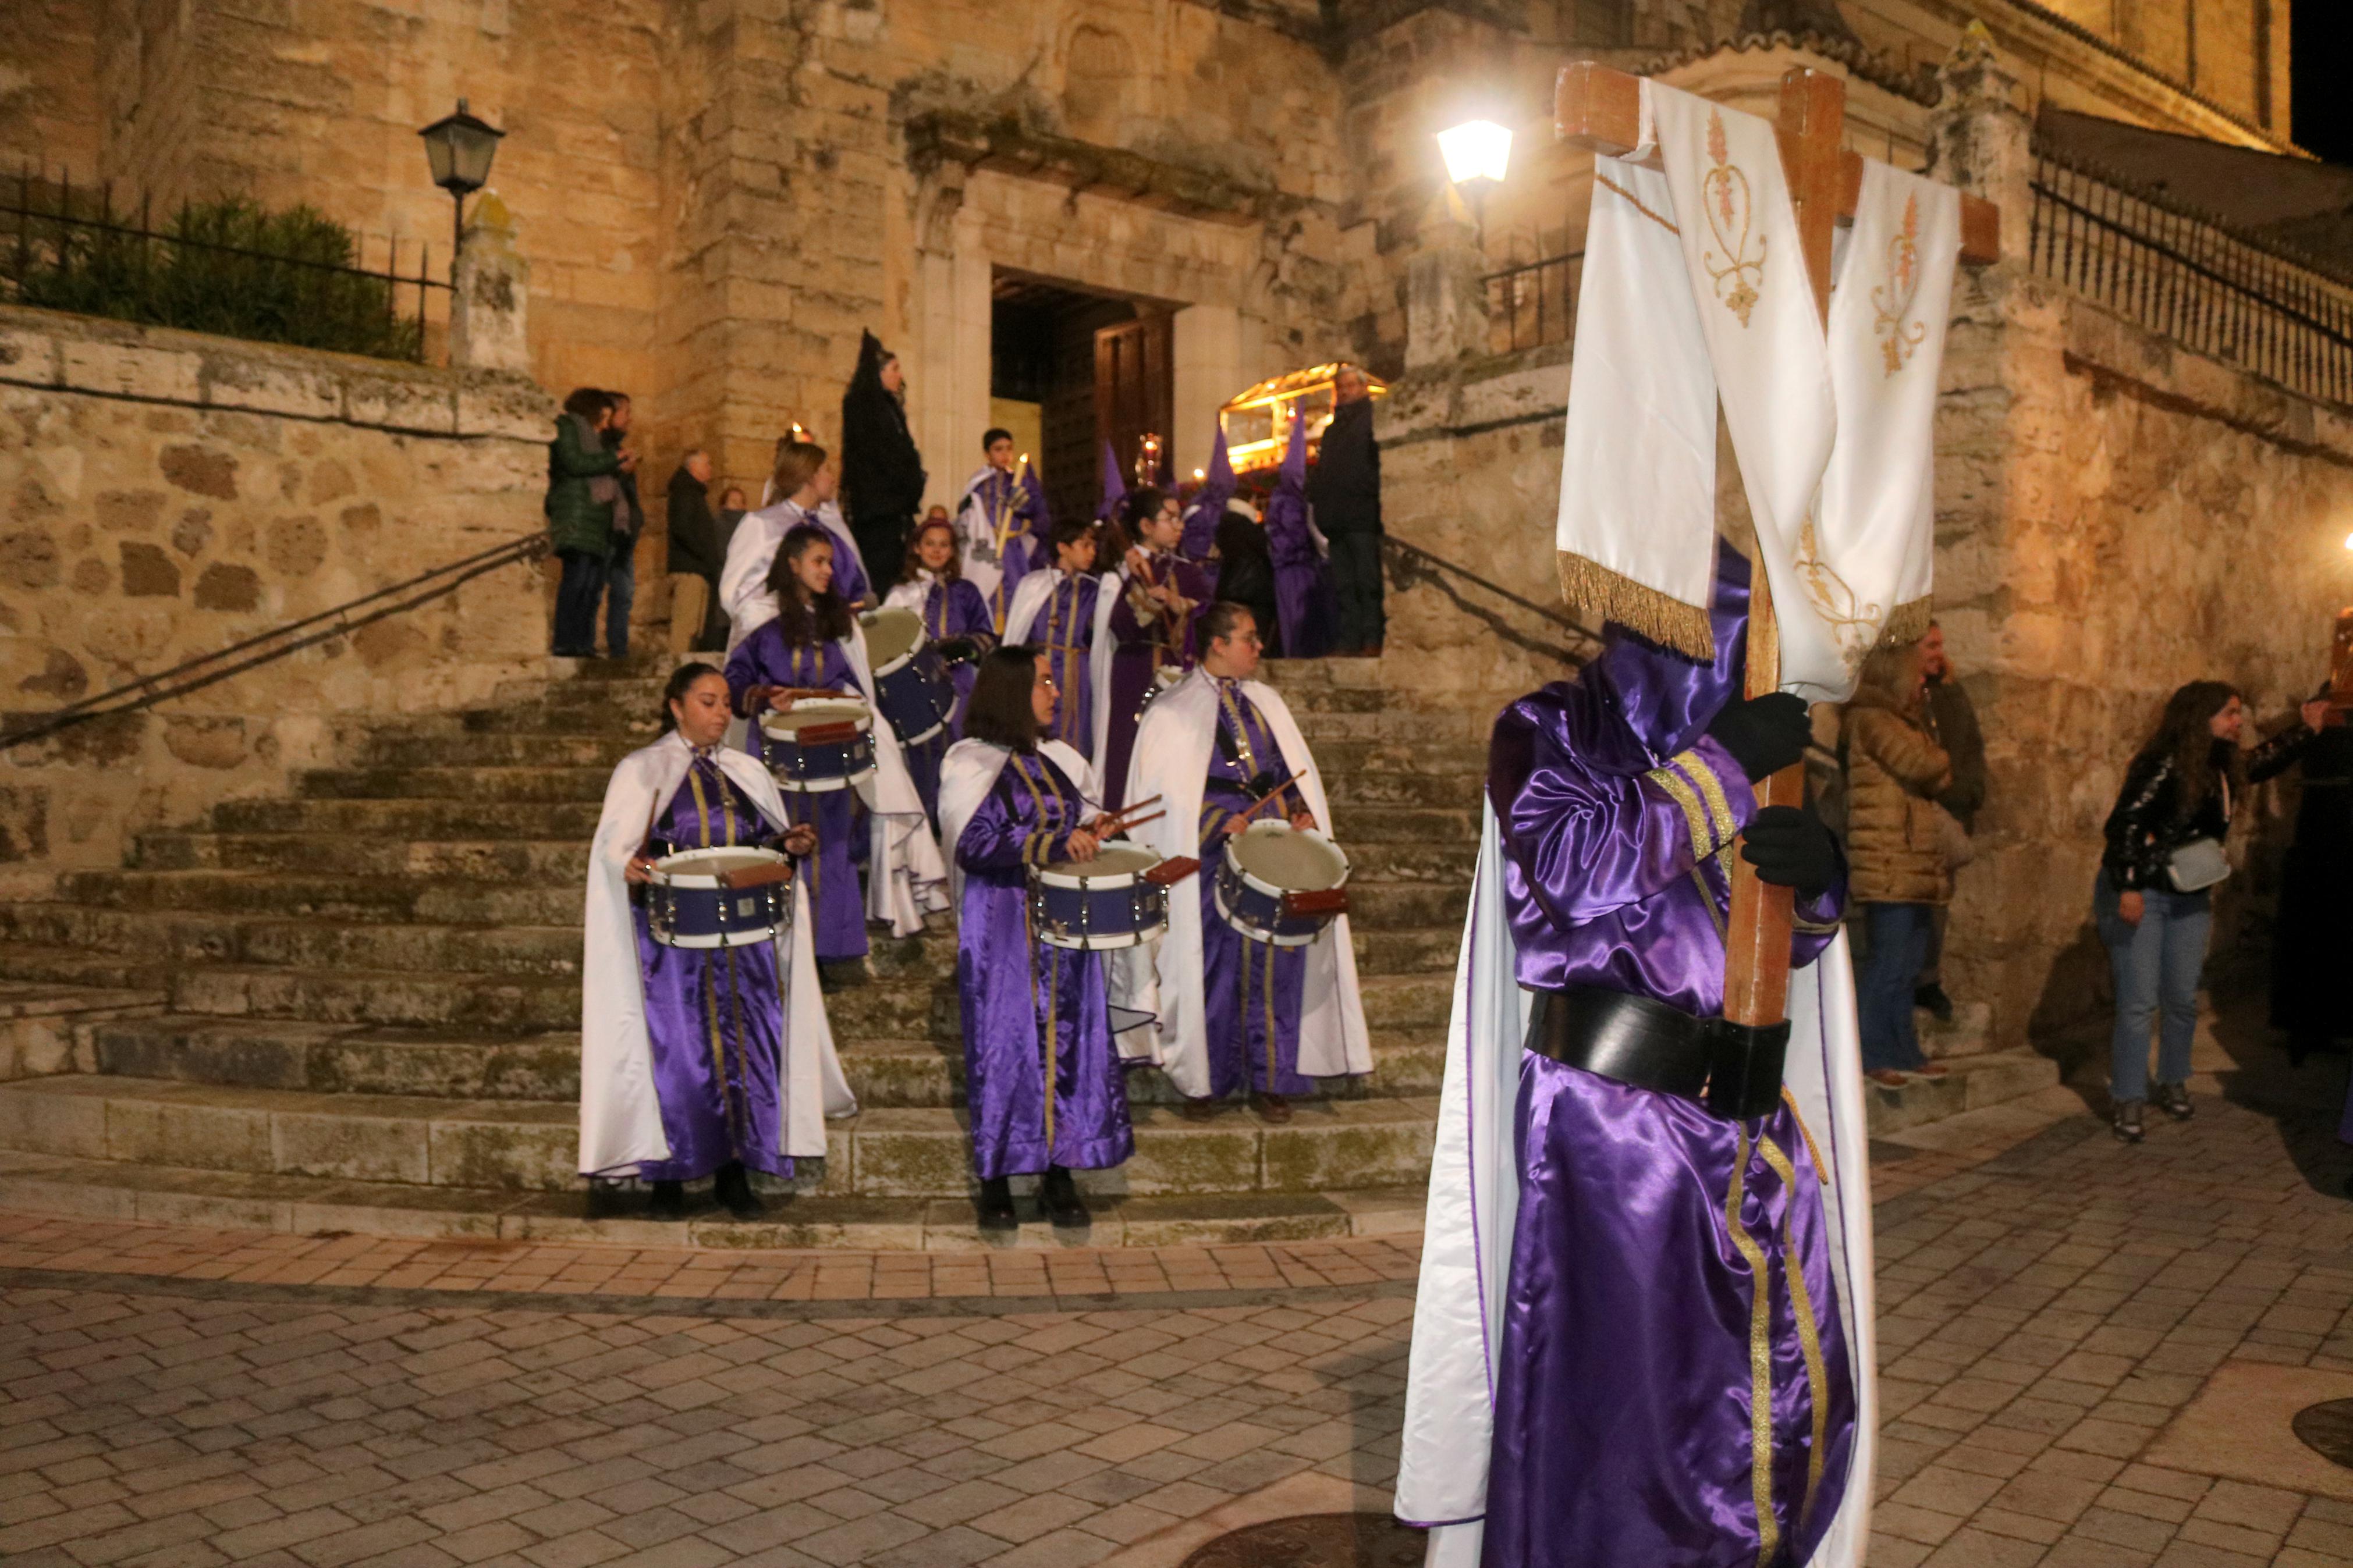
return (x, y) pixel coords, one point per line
(735, 897)
(1106, 902)
(910, 681)
(823, 743)
(1281, 884)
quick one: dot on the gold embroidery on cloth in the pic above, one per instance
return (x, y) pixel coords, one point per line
(1851, 619)
(1636, 202)
(1727, 826)
(1760, 1360)
(1891, 301)
(1607, 596)
(1731, 215)
(1694, 814)
(1809, 1339)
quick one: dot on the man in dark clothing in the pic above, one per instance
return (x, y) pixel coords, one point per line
(1344, 495)
(628, 521)
(881, 472)
(695, 557)
(1952, 724)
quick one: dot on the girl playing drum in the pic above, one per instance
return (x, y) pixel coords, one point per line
(958, 621)
(704, 1061)
(1010, 800)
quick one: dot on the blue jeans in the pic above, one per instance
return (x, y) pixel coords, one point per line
(575, 604)
(2157, 964)
(1883, 993)
(620, 588)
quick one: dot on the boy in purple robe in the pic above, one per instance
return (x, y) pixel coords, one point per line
(1663, 1359)
(1001, 524)
(804, 647)
(1152, 620)
(1012, 799)
(1065, 611)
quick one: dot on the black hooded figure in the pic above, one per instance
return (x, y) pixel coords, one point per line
(882, 472)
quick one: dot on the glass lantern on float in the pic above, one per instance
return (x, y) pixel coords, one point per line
(1257, 423)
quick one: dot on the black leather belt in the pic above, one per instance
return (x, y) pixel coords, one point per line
(1732, 1069)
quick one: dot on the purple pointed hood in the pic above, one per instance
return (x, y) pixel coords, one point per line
(1288, 505)
(1114, 489)
(1208, 502)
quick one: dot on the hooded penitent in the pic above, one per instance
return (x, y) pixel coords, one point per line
(1592, 1247)
(1208, 506)
(1303, 584)
(881, 472)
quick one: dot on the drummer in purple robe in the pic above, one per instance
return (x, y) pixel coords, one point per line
(1011, 799)
(1637, 1339)
(697, 1062)
(957, 622)
(1237, 1013)
(1065, 610)
(812, 642)
(1001, 524)
(1161, 595)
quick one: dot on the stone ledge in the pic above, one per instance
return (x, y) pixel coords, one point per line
(54, 350)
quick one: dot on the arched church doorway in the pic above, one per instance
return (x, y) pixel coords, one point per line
(1073, 368)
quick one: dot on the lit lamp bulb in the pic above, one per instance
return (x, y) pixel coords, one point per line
(2348, 541)
(1477, 154)
(1200, 474)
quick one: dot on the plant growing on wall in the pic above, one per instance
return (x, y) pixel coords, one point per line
(229, 267)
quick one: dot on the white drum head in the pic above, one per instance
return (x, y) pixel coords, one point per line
(1286, 860)
(702, 868)
(811, 711)
(891, 634)
(1129, 860)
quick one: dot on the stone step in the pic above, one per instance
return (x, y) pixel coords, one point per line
(1970, 1083)
(47, 1027)
(516, 1145)
(311, 1205)
(353, 1059)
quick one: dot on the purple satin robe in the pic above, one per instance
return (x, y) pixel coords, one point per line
(950, 609)
(1139, 649)
(1250, 991)
(835, 903)
(714, 1017)
(1065, 628)
(1631, 1292)
(1016, 995)
(1015, 507)
(1303, 582)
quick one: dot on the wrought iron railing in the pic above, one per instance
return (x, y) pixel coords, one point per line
(1411, 566)
(205, 669)
(2217, 292)
(226, 267)
(1534, 304)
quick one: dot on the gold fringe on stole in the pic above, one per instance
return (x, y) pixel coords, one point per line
(1607, 596)
(1909, 623)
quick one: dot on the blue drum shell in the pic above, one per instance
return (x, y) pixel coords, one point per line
(814, 769)
(1259, 914)
(1119, 910)
(916, 698)
(717, 917)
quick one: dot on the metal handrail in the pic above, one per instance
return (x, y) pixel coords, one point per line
(1412, 558)
(195, 674)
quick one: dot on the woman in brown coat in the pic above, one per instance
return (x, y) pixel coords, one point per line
(1895, 858)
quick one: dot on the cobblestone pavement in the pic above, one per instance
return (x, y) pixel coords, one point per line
(2088, 1354)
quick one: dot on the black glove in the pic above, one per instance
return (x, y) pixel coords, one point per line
(1764, 734)
(1790, 847)
(959, 651)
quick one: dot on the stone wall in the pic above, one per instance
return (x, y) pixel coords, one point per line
(166, 494)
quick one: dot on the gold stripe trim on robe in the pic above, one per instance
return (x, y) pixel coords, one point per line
(1607, 596)
(1680, 791)
(1760, 1359)
(1809, 1339)
(1727, 826)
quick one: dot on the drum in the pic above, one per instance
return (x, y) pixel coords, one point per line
(1111, 901)
(823, 743)
(1281, 884)
(910, 681)
(735, 897)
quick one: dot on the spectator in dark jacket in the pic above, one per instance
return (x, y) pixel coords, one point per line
(694, 556)
(881, 472)
(1343, 494)
(583, 489)
(628, 523)
(1246, 574)
(1953, 725)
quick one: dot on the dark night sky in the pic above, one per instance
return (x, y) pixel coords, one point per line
(2323, 63)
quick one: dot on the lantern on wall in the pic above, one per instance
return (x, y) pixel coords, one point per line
(458, 148)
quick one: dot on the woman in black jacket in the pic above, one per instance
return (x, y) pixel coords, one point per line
(2153, 901)
(881, 472)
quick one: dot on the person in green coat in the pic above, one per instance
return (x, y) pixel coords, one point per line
(582, 492)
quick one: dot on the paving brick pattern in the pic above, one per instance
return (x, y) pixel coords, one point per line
(178, 1397)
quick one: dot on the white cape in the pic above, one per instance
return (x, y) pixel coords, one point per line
(1131, 983)
(744, 591)
(904, 876)
(1171, 760)
(1466, 1259)
(620, 1119)
(1029, 596)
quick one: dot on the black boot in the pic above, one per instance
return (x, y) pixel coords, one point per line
(997, 1204)
(1060, 1197)
(669, 1201)
(731, 1187)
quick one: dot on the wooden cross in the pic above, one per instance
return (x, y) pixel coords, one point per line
(1599, 109)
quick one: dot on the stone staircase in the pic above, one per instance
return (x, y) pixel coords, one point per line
(357, 1009)
(371, 1003)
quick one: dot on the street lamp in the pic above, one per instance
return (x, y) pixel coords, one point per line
(1477, 153)
(460, 148)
